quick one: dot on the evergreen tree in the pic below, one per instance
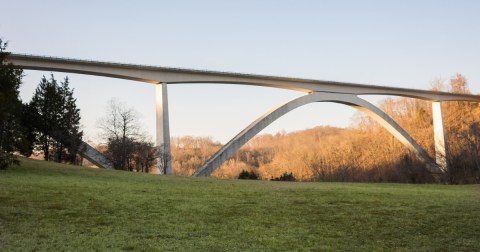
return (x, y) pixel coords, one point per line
(11, 108)
(56, 120)
(71, 133)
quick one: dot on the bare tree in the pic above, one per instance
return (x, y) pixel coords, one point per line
(127, 147)
(144, 156)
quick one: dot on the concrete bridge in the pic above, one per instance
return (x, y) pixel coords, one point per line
(316, 91)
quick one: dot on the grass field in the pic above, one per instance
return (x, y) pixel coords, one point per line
(54, 207)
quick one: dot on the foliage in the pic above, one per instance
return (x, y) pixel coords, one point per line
(12, 130)
(365, 152)
(7, 159)
(284, 177)
(247, 175)
(189, 153)
(144, 156)
(56, 207)
(127, 146)
(56, 120)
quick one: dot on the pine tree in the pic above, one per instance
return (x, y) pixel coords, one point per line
(57, 121)
(11, 109)
(71, 133)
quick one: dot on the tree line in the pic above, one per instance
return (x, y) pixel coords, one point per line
(364, 152)
(49, 123)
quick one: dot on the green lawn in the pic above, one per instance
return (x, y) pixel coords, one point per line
(53, 207)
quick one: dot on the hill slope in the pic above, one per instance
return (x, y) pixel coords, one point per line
(48, 206)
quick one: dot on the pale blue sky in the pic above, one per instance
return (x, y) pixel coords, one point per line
(391, 43)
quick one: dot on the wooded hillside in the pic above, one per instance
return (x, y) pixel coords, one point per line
(364, 152)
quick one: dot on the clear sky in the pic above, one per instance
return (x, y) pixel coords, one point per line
(391, 43)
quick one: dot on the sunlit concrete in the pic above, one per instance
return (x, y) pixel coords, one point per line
(95, 157)
(155, 75)
(164, 162)
(348, 99)
(441, 150)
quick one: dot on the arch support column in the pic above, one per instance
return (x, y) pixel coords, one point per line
(164, 160)
(441, 150)
(347, 99)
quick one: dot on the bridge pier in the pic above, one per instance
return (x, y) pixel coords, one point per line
(441, 148)
(164, 160)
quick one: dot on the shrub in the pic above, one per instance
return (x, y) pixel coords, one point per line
(7, 159)
(247, 175)
(284, 177)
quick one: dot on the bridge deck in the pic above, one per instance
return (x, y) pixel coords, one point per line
(155, 75)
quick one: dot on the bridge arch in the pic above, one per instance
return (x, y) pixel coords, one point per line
(322, 91)
(347, 99)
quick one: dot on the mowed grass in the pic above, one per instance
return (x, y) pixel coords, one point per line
(53, 207)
